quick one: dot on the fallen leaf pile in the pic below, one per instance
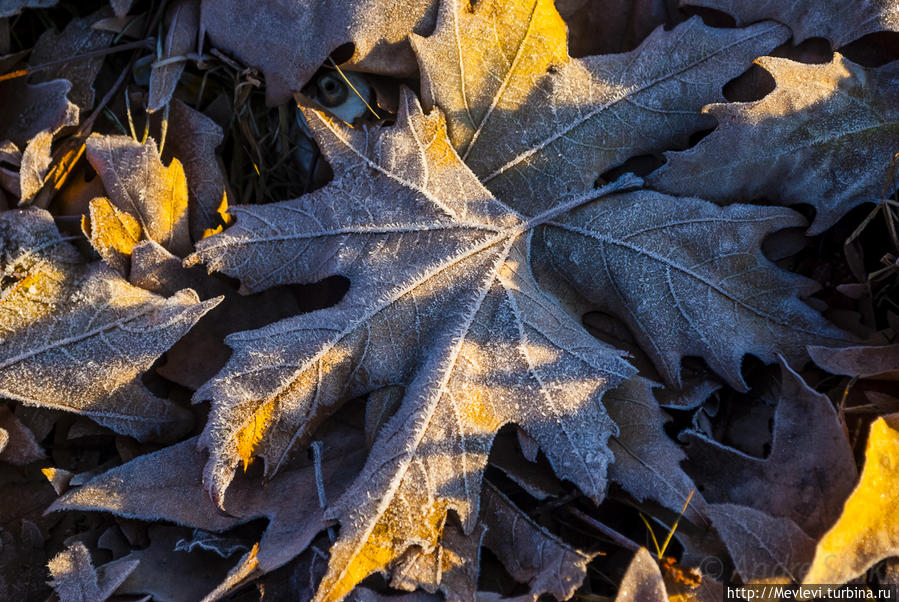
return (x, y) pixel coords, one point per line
(516, 299)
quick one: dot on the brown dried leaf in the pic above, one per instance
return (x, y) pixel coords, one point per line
(77, 337)
(504, 68)
(878, 363)
(647, 461)
(197, 137)
(29, 109)
(18, 445)
(765, 549)
(531, 554)
(169, 574)
(168, 485)
(840, 22)
(9, 8)
(182, 20)
(866, 531)
(805, 478)
(35, 163)
(825, 136)
(138, 184)
(643, 580)
(77, 38)
(289, 41)
(76, 580)
(23, 571)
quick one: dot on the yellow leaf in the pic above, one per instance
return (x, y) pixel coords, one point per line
(113, 233)
(868, 530)
(224, 216)
(251, 434)
(137, 183)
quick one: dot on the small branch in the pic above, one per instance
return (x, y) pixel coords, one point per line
(147, 43)
(621, 540)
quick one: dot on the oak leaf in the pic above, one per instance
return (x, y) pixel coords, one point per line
(764, 548)
(477, 262)
(839, 22)
(77, 337)
(807, 474)
(681, 291)
(573, 118)
(77, 38)
(825, 135)
(29, 109)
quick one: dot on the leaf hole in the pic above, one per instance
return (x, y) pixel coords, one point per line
(874, 49)
(343, 53)
(754, 84)
(813, 51)
(639, 166)
(710, 16)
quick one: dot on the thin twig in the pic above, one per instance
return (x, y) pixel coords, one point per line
(146, 43)
(609, 532)
(353, 88)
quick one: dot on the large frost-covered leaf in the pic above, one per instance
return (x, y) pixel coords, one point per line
(442, 301)
(825, 136)
(504, 68)
(444, 305)
(839, 21)
(689, 278)
(77, 337)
